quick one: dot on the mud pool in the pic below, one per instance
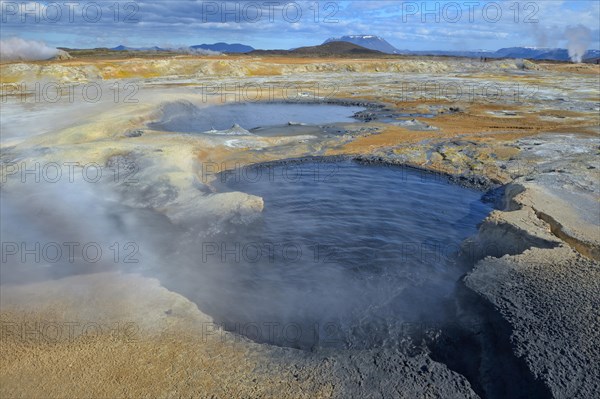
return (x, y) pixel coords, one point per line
(186, 117)
(344, 254)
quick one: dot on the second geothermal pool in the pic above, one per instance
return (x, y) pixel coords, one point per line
(344, 254)
(185, 117)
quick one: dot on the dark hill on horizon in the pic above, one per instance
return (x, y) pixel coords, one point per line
(367, 41)
(324, 50)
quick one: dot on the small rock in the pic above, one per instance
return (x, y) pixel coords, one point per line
(436, 157)
(134, 133)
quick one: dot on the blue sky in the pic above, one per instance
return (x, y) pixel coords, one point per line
(446, 25)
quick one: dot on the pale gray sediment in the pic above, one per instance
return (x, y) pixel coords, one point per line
(537, 272)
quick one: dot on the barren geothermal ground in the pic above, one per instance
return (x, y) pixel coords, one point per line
(247, 227)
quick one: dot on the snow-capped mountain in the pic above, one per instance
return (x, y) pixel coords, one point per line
(367, 41)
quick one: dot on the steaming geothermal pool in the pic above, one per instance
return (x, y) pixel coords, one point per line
(344, 254)
(183, 116)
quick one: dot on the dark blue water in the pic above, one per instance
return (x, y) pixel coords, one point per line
(343, 255)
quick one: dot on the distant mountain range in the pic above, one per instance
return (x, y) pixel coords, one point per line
(552, 54)
(380, 44)
(125, 48)
(217, 47)
(225, 47)
(365, 43)
(557, 54)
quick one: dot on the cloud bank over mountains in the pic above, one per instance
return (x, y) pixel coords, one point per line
(413, 25)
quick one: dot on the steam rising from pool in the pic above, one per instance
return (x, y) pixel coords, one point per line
(344, 255)
(56, 229)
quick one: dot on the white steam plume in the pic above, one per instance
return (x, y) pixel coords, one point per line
(200, 51)
(579, 39)
(17, 49)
